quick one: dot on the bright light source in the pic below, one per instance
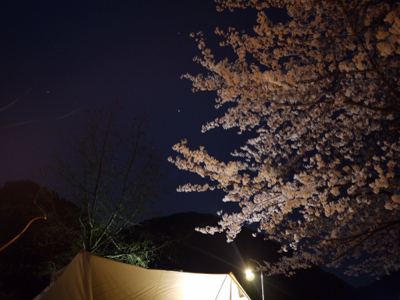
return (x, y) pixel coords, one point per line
(249, 275)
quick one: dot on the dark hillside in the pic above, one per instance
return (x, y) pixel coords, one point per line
(196, 252)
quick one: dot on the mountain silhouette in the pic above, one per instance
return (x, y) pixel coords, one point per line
(197, 252)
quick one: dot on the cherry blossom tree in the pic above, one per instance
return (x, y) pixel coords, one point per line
(320, 94)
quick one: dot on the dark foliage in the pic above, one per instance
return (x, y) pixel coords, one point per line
(46, 246)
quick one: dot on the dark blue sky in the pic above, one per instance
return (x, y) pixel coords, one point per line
(59, 57)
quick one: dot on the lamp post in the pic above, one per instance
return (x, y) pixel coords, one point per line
(250, 276)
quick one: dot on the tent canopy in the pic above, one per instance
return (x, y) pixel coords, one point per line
(90, 277)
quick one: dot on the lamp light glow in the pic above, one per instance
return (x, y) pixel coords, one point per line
(249, 275)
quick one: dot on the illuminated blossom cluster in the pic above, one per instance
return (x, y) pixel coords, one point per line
(321, 175)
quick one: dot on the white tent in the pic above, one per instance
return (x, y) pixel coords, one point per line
(90, 277)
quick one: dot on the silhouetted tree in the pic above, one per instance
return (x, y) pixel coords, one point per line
(45, 247)
(113, 174)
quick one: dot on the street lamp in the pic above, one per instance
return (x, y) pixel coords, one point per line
(250, 276)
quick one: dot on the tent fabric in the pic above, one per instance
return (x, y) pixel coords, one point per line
(90, 277)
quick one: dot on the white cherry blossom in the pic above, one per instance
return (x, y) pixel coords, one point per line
(320, 91)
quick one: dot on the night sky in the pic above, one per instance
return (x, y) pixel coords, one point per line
(59, 58)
